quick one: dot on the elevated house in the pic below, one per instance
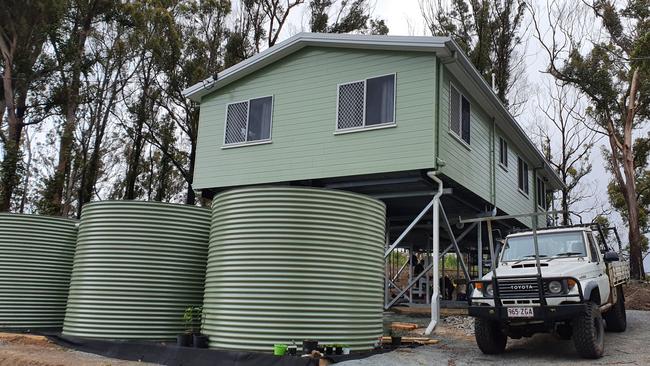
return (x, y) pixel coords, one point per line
(385, 116)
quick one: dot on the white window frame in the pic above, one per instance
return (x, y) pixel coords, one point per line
(459, 137)
(364, 127)
(539, 180)
(254, 142)
(503, 166)
(521, 190)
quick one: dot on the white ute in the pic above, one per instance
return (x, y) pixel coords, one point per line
(572, 284)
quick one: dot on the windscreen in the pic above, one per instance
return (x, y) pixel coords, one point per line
(563, 244)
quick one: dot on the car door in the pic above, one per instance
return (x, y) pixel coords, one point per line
(600, 270)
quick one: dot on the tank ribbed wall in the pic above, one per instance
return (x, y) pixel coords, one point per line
(137, 266)
(35, 265)
(292, 264)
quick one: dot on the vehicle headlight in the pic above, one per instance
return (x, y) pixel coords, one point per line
(555, 287)
(489, 290)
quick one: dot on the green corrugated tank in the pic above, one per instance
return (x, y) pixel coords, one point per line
(292, 264)
(137, 266)
(35, 265)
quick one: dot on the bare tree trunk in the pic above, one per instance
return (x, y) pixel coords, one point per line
(190, 199)
(72, 105)
(15, 114)
(28, 169)
(133, 168)
(3, 106)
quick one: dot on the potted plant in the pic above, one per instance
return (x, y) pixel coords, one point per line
(338, 349)
(185, 339)
(292, 349)
(346, 349)
(329, 349)
(199, 340)
(395, 337)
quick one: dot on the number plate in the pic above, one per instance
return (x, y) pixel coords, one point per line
(520, 312)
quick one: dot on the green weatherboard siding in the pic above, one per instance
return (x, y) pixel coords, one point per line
(304, 143)
(292, 264)
(137, 266)
(35, 265)
(304, 146)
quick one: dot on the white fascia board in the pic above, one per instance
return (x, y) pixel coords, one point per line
(301, 40)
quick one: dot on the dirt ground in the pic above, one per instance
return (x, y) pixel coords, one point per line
(32, 350)
(637, 296)
(457, 348)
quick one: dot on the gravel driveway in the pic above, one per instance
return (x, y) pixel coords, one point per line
(629, 348)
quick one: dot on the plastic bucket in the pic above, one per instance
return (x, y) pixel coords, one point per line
(279, 349)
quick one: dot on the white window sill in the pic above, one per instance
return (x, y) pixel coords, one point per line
(503, 166)
(242, 144)
(523, 192)
(369, 128)
(460, 140)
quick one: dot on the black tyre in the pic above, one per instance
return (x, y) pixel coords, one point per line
(489, 337)
(615, 318)
(589, 332)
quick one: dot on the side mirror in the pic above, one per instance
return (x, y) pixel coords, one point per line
(611, 256)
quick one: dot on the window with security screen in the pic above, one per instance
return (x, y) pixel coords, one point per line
(248, 121)
(366, 103)
(459, 114)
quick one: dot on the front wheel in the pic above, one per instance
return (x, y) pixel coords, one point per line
(588, 332)
(615, 318)
(489, 337)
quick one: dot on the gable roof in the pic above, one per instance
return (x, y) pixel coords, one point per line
(444, 47)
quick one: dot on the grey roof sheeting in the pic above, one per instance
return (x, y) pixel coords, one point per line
(455, 60)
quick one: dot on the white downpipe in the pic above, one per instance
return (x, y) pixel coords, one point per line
(435, 253)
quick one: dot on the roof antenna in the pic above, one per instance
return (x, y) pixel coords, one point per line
(210, 85)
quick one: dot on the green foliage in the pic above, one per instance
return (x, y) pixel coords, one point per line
(399, 257)
(487, 31)
(350, 17)
(642, 174)
(451, 261)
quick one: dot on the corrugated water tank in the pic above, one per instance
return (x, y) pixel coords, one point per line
(35, 265)
(289, 264)
(137, 267)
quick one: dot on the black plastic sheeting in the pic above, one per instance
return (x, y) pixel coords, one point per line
(172, 355)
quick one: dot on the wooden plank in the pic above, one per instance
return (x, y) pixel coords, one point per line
(412, 340)
(401, 325)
